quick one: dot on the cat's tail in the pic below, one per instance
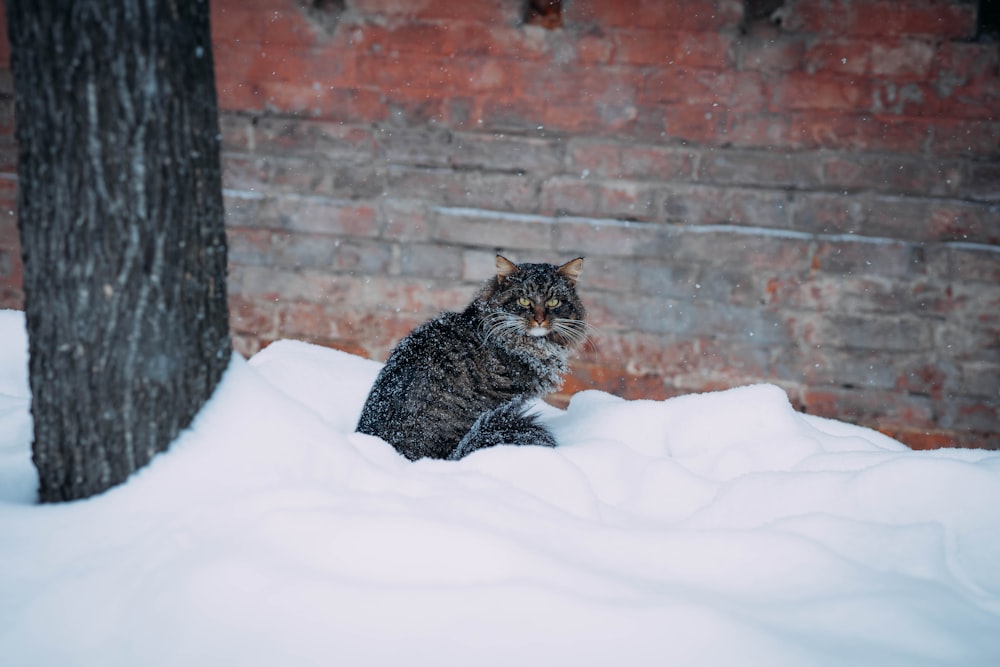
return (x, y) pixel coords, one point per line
(509, 424)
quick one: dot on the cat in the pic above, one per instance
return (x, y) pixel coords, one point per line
(463, 381)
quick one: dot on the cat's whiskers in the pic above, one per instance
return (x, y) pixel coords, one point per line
(575, 332)
(496, 326)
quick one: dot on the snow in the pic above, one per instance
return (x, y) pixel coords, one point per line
(712, 529)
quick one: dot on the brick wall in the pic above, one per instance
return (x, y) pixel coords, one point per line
(810, 197)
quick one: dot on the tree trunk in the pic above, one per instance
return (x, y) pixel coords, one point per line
(122, 230)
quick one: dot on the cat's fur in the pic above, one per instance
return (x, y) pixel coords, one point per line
(462, 381)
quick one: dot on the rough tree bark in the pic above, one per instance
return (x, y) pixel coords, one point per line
(122, 231)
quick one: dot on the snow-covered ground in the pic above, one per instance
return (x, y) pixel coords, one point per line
(713, 529)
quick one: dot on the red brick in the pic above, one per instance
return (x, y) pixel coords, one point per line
(861, 257)
(859, 132)
(968, 69)
(255, 317)
(502, 113)
(770, 168)
(487, 11)
(921, 439)
(4, 44)
(865, 331)
(605, 238)
(770, 53)
(509, 153)
(694, 15)
(250, 246)
(414, 74)
(656, 162)
(627, 200)
(965, 137)
(607, 114)
(284, 135)
(696, 123)
(496, 230)
(738, 90)
(898, 174)
(873, 408)
(423, 38)
(404, 220)
(943, 19)
(837, 56)
(764, 130)
(568, 195)
(807, 91)
(902, 59)
(240, 172)
(594, 49)
(692, 49)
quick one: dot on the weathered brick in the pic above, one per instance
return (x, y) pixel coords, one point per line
(250, 246)
(859, 293)
(699, 124)
(842, 369)
(980, 378)
(710, 88)
(896, 174)
(799, 91)
(982, 181)
(607, 238)
(828, 186)
(873, 408)
(331, 141)
(506, 153)
(812, 129)
(767, 168)
(272, 283)
(404, 220)
(705, 204)
(406, 294)
(244, 172)
(430, 261)
(321, 252)
(253, 317)
(837, 55)
(945, 19)
(627, 200)
(486, 228)
(972, 263)
(902, 59)
(569, 195)
(868, 257)
(963, 137)
(761, 50)
(317, 215)
(635, 161)
(974, 414)
(419, 146)
(503, 113)
(694, 15)
(505, 192)
(693, 49)
(864, 331)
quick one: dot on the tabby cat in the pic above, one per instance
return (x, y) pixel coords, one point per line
(462, 381)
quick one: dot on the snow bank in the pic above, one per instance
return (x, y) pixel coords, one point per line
(712, 529)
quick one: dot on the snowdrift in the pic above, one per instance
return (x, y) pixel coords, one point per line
(713, 529)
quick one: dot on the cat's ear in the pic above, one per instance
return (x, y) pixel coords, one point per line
(571, 270)
(505, 268)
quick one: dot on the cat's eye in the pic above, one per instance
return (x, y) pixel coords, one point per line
(524, 302)
(552, 303)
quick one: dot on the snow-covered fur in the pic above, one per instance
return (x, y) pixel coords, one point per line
(460, 382)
